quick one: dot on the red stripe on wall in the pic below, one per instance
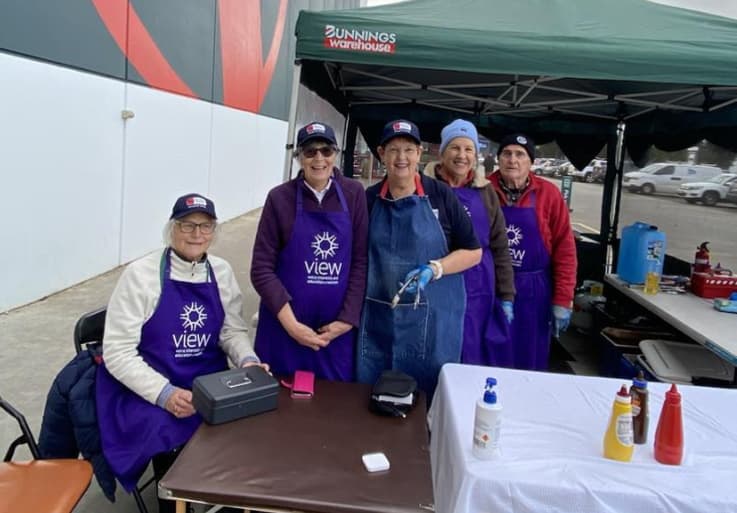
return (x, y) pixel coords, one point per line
(246, 78)
(139, 47)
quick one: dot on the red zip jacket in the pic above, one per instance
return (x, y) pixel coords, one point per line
(557, 235)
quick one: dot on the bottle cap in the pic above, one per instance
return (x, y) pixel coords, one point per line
(673, 395)
(639, 380)
(623, 391)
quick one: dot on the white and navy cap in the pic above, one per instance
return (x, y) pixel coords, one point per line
(400, 128)
(190, 203)
(316, 131)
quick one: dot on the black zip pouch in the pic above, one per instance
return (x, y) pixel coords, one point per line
(394, 394)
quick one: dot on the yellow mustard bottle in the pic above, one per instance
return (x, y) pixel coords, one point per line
(619, 437)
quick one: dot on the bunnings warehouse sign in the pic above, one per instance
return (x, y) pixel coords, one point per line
(359, 40)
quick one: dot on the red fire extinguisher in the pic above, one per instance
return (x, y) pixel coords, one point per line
(701, 260)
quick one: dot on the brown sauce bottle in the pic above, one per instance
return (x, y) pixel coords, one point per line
(640, 416)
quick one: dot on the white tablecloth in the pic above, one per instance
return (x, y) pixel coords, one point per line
(552, 441)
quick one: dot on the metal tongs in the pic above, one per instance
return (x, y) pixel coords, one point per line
(397, 296)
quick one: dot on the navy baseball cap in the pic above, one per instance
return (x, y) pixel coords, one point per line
(520, 139)
(316, 131)
(190, 203)
(400, 128)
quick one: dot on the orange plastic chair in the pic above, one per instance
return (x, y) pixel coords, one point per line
(50, 486)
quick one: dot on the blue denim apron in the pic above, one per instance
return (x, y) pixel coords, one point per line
(314, 267)
(180, 341)
(403, 234)
(485, 330)
(531, 328)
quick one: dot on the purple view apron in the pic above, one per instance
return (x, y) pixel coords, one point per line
(485, 330)
(180, 341)
(403, 234)
(314, 267)
(531, 329)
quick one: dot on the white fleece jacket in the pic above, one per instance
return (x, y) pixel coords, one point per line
(133, 302)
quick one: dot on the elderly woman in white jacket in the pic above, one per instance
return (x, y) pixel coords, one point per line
(174, 315)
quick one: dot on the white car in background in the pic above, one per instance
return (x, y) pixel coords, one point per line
(667, 177)
(709, 192)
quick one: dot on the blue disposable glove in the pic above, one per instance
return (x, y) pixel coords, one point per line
(424, 275)
(562, 318)
(508, 308)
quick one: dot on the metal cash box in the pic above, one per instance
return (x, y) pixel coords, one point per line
(233, 394)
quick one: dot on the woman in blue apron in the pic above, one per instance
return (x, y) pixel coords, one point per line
(418, 233)
(490, 284)
(543, 252)
(309, 264)
(174, 315)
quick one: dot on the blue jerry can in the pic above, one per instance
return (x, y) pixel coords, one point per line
(641, 248)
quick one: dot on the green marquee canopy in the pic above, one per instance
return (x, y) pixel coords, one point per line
(563, 70)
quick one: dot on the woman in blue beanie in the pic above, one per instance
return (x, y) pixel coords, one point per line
(489, 284)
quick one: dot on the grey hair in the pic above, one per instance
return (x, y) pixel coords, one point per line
(168, 231)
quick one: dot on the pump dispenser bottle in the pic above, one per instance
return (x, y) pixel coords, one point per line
(618, 440)
(487, 424)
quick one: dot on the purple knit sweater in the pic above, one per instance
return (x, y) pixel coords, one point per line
(275, 230)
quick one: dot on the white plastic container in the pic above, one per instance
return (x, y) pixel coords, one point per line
(487, 424)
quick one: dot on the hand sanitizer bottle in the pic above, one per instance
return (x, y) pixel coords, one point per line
(487, 424)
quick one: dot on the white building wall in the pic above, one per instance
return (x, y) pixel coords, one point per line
(84, 191)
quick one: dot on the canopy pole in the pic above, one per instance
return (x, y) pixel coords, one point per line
(349, 145)
(293, 104)
(612, 196)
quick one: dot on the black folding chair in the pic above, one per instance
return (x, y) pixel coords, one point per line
(39, 485)
(90, 329)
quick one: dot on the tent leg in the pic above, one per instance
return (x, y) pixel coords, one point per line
(294, 103)
(349, 146)
(612, 196)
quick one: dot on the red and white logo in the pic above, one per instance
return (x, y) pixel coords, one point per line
(402, 126)
(315, 127)
(196, 201)
(340, 38)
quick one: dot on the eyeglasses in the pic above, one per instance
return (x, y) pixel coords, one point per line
(187, 227)
(326, 151)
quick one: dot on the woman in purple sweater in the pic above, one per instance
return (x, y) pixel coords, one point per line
(309, 264)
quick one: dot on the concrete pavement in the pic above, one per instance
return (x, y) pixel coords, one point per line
(36, 343)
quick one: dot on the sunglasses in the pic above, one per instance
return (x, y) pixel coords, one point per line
(326, 151)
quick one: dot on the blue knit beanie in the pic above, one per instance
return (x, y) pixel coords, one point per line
(459, 128)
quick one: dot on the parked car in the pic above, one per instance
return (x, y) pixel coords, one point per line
(564, 169)
(591, 173)
(546, 167)
(732, 193)
(709, 192)
(667, 177)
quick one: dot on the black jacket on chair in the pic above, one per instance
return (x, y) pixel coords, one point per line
(70, 418)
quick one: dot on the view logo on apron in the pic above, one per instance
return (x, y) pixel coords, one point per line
(320, 272)
(188, 344)
(515, 236)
